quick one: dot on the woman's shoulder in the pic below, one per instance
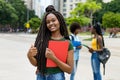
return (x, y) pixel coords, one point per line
(99, 37)
(70, 45)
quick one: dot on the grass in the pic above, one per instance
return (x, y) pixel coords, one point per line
(89, 34)
(85, 33)
(87, 39)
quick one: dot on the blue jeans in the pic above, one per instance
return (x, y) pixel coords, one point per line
(57, 76)
(95, 66)
(74, 70)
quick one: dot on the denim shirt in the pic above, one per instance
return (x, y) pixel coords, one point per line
(76, 51)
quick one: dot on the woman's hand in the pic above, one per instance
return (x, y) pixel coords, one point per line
(32, 51)
(79, 47)
(66, 67)
(91, 50)
(50, 54)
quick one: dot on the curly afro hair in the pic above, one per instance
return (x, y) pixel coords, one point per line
(74, 26)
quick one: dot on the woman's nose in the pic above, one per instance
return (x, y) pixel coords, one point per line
(51, 23)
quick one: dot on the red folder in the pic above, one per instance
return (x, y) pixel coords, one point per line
(60, 49)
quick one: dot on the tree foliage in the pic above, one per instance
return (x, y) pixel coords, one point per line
(34, 23)
(111, 19)
(91, 8)
(81, 20)
(83, 13)
(8, 13)
(14, 13)
(21, 11)
(113, 6)
(97, 1)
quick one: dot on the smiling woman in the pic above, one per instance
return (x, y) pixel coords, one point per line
(53, 28)
(52, 23)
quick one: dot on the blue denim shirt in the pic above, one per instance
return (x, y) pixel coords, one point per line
(76, 51)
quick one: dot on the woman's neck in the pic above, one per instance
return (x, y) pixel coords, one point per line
(75, 34)
(56, 35)
(95, 35)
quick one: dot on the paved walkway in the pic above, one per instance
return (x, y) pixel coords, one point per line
(14, 64)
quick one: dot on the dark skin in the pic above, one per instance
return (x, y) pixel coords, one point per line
(99, 38)
(54, 26)
(31, 53)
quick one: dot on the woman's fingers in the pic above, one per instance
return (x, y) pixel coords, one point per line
(49, 53)
(91, 50)
(32, 51)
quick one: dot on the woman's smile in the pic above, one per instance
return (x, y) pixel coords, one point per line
(52, 23)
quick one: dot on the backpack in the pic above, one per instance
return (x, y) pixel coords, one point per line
(75, 43)
(72, 38)
(104, 56)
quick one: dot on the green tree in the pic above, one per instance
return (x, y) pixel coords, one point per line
(113, 6)
(34, 23)
(85, 12)
(21, 11)
(111, 19)
(7, 13)
(81, 19)
(91, 8)
(98, 1)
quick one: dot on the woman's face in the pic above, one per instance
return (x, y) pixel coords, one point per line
(52, 23)
(77, 31)
(93, 30)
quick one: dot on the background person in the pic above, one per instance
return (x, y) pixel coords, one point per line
(75, 30)
(97, 45)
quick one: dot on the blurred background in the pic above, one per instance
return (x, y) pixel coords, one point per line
(20, 21)
(25, 15)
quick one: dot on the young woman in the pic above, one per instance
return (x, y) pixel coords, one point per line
(97, 45)
(53, 27)
(75, 29)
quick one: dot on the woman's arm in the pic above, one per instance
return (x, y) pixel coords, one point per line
(66, 67)
(100, 43)
(31, 53)
(79, 47)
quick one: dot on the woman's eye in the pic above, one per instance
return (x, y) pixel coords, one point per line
(48, 22)
(53, 20)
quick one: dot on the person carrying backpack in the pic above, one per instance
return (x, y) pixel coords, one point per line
(75, 29)
(97, 45)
